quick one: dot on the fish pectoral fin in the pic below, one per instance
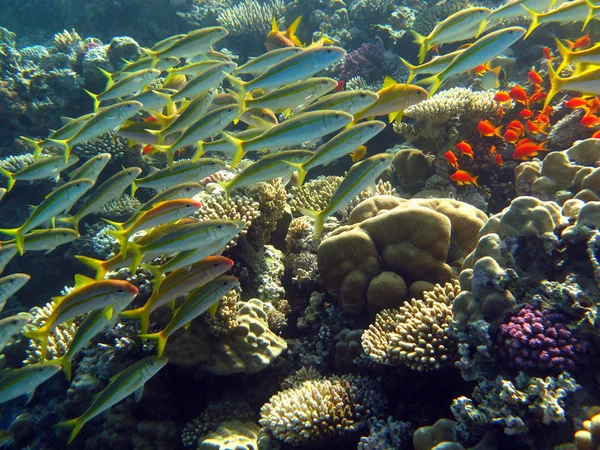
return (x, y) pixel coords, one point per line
(109, 313)
(187, 325)
(29, 395)
(137, 394)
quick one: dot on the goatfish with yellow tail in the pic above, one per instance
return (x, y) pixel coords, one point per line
(206, 127)
(223, 235)
(177, 283)
(586, 82)
(435, 65)
(208, 79)
(190, 114)
(575, 11)
(203, 299)
(162, 213)
(144, 63)
(393, 99)
(10, 285)
(9, 326)
(167, 42)
(294, 95)
(192, 69)
(225, 146)
(129, 381)
(7, 253)
(340, 145)
(361, 176)
(154, 99)
(483, 50)
(194, 43)
(94, 323)
(462, 25)
(46, 167)
(261, 118)
(587, 56)
(55, 203)
(515, 8)
(181, 172)
(276, 165)
(45, 240)
(130, 84)
(277, 39)
(108, 191)
(301, 128)
(69, 129)
(346, 101)
(104, 120)
(137, 133)
(92, 168)
(87, 296)
(24, 381)
(178, 191)
(297, 67)
(258, 65)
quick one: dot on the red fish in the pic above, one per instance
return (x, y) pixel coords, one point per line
(511, 136)
(486, 128)
(516, 126)
(339, 86)
(465, 149)
(498, 159)
(481, 69)
(538, 96)
(590, 121)
(579, 43)
(147, 149)
(502, 97)
(548, 54)
(526, 113)
(451, 158)
(596, 135)
(527, 150)
(492, 150)
(501, 113)
(461, 177)
(518, 94)
(535, 128)
(535, 78)
(576, 102)
(150, 119)
(278, 39)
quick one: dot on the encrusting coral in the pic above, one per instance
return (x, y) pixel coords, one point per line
(417, 334)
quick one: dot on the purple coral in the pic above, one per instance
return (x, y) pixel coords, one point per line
(363, 62)
(534, 340)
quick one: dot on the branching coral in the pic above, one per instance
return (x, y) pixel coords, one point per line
(417, 334)
(120, 209)
(314, 194)
(271, 198)
(109, 142)
(250, 18)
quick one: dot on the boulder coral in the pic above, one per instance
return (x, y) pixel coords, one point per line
(417, 240)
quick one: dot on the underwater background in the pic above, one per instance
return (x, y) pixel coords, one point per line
(312, 224)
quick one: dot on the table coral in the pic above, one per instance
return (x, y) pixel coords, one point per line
(417, 334)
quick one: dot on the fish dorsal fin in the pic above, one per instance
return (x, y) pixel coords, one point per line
(274, 26)
(56, 300)
(82, 280)
(65, 120)
(388, 82)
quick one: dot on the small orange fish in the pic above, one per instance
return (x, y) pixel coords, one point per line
(596, 135)
(594, 105)
(461, 177)
(465, 149)
(502, 97)
(518, 94)
(501, 113)
(492, 150)
(535, 128)
(511, 136)
(579, 43)
(481, 69)
(358, 154)
(538, 96)
(147, 149)
(548, 54)
(278, 39)
(486, 128)
(576, 102)
(339, 86)
(451, 159)
(526, 113)
(498, 159)
(517, 126)
(590, 121)
(527, 150)
(150, 119)
(534, 77)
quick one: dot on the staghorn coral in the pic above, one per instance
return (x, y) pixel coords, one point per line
(14, 163)
(315, 194)
(225, 319)
(68, 42)
(250, 18)
(109, 142)
(120, 209)
(371, 11)
(359, 83)
(271, 198)
(58, 341)
(417, 334)
(215, 205)
(298, 237)
(429, 15)
(320, 411)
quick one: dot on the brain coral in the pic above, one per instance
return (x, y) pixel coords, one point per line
(416, 239)
(417, 334)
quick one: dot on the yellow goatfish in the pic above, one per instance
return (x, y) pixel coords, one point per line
(588, 83)
(514, 8)
(575, 11)
(587, 56)
(393, 99)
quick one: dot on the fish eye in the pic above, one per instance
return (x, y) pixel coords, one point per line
(14, 321)
(363, 95)
(336, 116)
(219, 227)
(40, 369)
(216, 264)
(372, 125)
(120, 291)
(211, 164)
(11, 281)
(225, 283)
(187, 205)
(151, 363)
(188, 189)
(328, 50)
(77, 185)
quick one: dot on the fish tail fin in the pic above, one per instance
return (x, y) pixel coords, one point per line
(152, 54)
(142, 314)
(301, 175)
(16, 233)
(134, 249)
(423, 44)
(239, 86)
(109, 76)
(318, 217)
(72, 221)
(65, 144)
(199, 151)
(475, 180)
(121, 236)
(161, 341)
(156, 275)
(64, 363)
(37, 148)
(95, 98)
(555, 84)
(591, 13)
(226, 186)
(498, 132)
(158, 134)
(291, 32)
(411, 70)
(95, 264)
(535, 20)
(564, 53)
(74, 425)
(274, 26)
(435, 82)
(239, 148)
(10, 180)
